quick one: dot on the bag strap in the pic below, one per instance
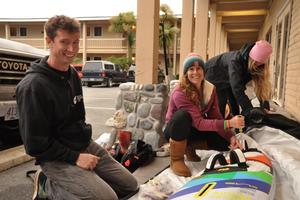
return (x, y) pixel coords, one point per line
(210, 165)
(237, 157)
(247, 149)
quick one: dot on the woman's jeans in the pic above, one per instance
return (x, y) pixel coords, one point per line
(180, 127)
(109, 180)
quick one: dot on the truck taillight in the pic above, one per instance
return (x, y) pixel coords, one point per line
(103, 74)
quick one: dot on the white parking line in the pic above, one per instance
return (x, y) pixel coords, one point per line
(99, 108)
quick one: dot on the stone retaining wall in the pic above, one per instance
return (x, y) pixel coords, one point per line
(143, 108)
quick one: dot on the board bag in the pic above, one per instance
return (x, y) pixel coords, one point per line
(246, 174)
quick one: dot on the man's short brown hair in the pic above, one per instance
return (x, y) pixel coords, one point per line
(61, 22)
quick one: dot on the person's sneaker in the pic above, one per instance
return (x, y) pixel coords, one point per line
(39, 192)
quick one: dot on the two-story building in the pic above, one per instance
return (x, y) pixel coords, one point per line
(96, 43)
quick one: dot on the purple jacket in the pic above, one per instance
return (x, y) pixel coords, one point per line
(207, 118)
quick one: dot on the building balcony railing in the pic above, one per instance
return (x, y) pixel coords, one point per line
(35, 42)
(92, 44)
(107, 43)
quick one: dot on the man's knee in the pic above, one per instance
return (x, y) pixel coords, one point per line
(133, 184)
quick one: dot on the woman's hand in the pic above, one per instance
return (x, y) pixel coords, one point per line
(234, 143)
(237, 121)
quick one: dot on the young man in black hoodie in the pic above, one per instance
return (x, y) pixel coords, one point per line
(53, 128)
(231, 71)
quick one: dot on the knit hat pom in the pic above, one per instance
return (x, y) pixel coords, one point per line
(261, 51)
(189, 61)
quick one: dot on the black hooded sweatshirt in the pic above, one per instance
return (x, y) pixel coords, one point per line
(230, 70)
(51, 114)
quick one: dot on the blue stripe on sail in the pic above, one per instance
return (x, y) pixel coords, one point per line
(235, 183)
(239, 175)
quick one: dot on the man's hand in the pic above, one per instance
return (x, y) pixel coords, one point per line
(87, 161)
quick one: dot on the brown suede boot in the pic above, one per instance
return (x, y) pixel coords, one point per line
(177, 149)
(190, 151)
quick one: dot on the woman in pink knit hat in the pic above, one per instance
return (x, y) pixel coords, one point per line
(231, 71)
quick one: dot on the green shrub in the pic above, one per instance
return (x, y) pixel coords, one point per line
(120, 60)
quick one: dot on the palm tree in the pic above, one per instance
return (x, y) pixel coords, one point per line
(167, 31)
(169, 34)
(167, 14)
(125, 23)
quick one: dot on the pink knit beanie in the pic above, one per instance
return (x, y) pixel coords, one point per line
(261, 51)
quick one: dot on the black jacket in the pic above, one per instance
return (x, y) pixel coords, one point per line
(51, 114)
(230, 70)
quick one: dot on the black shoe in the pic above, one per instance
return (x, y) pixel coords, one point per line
(39, 192)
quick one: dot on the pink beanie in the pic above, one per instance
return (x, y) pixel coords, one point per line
(261, 51)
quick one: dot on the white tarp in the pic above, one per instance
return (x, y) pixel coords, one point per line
(283, 150)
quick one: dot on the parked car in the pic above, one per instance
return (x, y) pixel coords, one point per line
(78, 68)
(97, 72)
(131, 74)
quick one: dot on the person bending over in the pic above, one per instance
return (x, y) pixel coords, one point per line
(231, 71)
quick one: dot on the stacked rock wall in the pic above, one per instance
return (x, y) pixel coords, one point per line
(144, 107)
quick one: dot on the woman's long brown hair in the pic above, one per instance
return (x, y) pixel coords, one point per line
(260, 76)
(192, 93)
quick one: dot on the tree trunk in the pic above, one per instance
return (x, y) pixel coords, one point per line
(129, 49)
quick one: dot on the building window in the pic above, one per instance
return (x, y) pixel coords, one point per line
(88, 58)
(13, 31)
(98, 31)
(88, 31)
(97, 58)
(23, 31)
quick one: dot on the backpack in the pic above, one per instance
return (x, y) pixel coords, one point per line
(139, 154)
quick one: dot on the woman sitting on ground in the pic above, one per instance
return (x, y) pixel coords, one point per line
(193, 119)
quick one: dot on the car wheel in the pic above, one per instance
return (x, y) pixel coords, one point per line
(85, 83)
(109, 82)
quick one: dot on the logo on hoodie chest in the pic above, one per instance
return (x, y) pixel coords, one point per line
(77, 99)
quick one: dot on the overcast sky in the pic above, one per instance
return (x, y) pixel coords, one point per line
(73, 8)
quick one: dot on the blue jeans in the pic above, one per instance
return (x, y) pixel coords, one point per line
(109, 180)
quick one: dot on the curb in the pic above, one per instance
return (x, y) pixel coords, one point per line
(13, 157)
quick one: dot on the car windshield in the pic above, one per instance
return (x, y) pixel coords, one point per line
(92, 66)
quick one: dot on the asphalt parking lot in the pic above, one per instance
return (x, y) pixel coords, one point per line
(99, 105)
